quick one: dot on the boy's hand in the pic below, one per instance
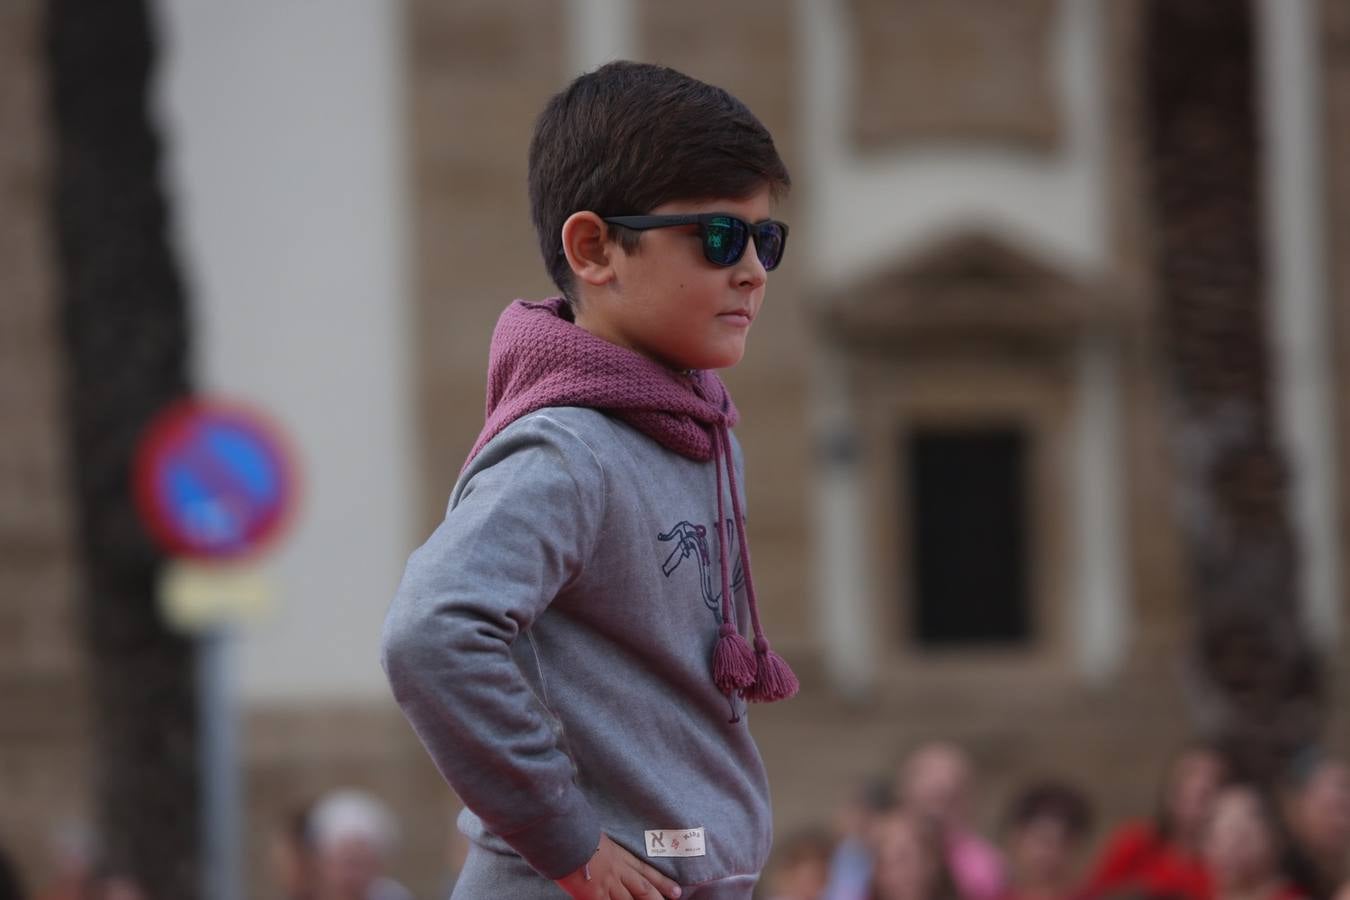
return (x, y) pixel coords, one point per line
(617, 874)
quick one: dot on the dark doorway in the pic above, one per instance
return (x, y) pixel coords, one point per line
(969, 536)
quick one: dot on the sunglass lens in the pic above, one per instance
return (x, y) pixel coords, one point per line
(769, 241)
(724, 240)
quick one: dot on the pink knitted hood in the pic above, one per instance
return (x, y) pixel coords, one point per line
(539, 359)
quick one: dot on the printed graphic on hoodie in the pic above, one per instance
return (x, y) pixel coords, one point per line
(692, 541)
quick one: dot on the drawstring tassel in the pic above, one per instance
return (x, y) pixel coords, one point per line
(758, 674)
(774, 679)
(733, 661)
(735, 667)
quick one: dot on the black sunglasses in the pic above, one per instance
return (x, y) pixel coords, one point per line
(724, 237)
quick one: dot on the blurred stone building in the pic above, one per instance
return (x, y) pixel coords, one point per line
(963, 452)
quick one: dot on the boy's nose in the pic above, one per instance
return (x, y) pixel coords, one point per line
(750, 272)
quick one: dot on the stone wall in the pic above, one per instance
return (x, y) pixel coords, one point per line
(43, 720)
(927, 70)
(1335, 47)
(478, 73)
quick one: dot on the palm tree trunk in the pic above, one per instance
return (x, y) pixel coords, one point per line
(125, 329)
(1259, 684)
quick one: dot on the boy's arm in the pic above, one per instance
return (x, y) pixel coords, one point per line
(524, 525)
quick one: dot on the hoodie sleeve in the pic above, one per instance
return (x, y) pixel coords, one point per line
(523, 524)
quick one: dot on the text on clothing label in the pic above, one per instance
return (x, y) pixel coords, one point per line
(683, 842)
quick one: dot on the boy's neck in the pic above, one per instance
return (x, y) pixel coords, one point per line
(579, 318)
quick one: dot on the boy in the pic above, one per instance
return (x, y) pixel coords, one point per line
(569, 643)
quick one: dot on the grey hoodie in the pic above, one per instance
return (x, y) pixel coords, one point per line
(551, 645)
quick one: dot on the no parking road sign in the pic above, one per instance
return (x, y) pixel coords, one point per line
(214, 481)
(214, 484)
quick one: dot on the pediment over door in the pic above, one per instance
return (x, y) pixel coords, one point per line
(974, 287)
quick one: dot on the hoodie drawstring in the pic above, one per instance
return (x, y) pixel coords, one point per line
(733, 660)
(761, 675)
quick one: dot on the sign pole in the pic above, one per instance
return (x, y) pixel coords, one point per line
(218, 726)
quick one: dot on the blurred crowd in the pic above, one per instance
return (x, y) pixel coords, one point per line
(80, 872)
(337, 848)
(1215, 835)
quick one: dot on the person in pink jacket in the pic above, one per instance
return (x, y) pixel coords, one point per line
(936, 781)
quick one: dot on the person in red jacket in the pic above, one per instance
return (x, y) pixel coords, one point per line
(1161, 857)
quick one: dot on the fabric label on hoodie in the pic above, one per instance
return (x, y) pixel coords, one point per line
(686, 842)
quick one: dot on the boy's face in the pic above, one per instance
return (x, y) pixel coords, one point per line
(667, 302)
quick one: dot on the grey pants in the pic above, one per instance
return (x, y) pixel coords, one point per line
(499, 876)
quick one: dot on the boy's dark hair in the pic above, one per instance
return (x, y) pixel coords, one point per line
(630, 136)
(1051, 800)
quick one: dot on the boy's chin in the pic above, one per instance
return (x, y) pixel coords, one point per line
(715, 361)
(722, 358)
(722, 355)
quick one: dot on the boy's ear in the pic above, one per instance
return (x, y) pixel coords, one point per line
(584, 241)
